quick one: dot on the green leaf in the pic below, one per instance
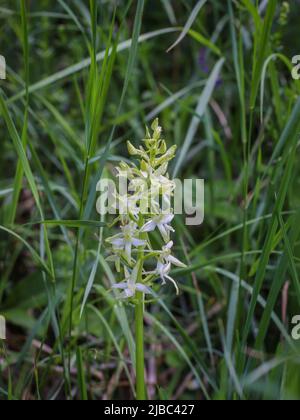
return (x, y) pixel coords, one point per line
(200, 111)
(73, 223)
(189, 23)
(262, 51)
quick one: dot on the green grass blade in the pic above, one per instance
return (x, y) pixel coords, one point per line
(81, 375)
(76, 68)
(74, 223)
(262, 51)
(200, 111)
(189, 23)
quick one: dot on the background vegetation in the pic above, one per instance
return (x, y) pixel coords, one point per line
(83, 77)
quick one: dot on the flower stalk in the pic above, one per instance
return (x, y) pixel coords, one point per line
(139, 344)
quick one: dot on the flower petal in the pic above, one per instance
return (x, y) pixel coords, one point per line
(176, 262)
(127, 294)
(144, 289)
(163, 270)
(169, 228)
(138, 242)
(120, 286)
(161, 170)
(169, 245)
(118, 242)
(167, 219)
(128, 247)
(164, 232)
(149, 226)
(160, 268)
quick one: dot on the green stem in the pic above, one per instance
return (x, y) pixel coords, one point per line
(139, 340)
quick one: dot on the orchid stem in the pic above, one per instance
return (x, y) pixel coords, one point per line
(139, 338)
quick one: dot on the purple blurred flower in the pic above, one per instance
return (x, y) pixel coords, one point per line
(204, 65)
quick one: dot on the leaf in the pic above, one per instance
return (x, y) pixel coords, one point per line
(200, 111)
(19, 149)
(262, 51)
(69, 71)
(34, 254)
(81, 375)
(73, 223)
(189, 23)
(204, 41)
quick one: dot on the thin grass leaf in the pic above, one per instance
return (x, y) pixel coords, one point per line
(76, 68)
(181, 351)
(260, 300)
(73, 223)
(170, 11)
(268, 247)
(204, 41)
(19, 172)
(33, 253)
(200, 111)
(279, 277)
(271, 58)
(189, 23)
(81, 375)
(115, 342)
(262, 51)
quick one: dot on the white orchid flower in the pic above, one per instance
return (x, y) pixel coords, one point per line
(164, 264)
(127, 239)
(130, 285)
(168, 258)
(162, 222)
(163, 270)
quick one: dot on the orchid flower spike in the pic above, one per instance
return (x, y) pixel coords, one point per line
(148, 183)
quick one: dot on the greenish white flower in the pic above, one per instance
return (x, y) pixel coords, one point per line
(167, 257)
(127, 239)
(130, 285)
(162, 223)
(164, 264)
(164, 272)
